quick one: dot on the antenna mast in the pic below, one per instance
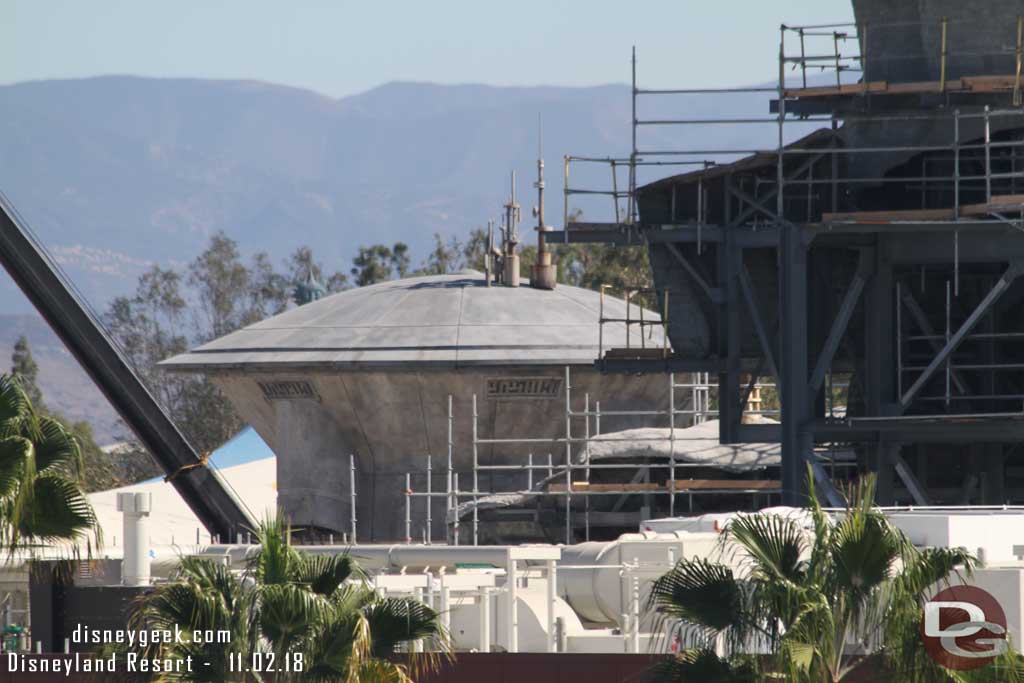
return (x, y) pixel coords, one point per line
(543, 273)
(510, 261)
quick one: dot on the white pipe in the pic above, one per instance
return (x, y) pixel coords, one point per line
(512, 622)
(485, 619)
(446, 613)
(634, 620)
(552, 579)
(135, 565)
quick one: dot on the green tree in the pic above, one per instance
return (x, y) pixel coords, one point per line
(474, 249)
(287, 602)
(151, 326)
(806, 594)
(41, 500)
(378, 263)
(25, 368)
(268, 290)
(222, 286)
(444, 258)
(400, 258)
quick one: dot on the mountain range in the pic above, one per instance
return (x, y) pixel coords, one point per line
(116, 173)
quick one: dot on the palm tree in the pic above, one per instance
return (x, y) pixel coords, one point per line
(41, 500)
(803, 595)
(313, 615)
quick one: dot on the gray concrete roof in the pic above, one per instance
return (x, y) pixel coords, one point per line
(440, 320)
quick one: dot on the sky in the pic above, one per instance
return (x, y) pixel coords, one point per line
(342, 47)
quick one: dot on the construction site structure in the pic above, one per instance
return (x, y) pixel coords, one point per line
(875, 238)
(368, 373)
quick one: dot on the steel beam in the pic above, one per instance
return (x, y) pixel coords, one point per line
(796, 405)
(906, 475)
(35, 272)
(730, 408)
(917, 313)
(1009, 431)
(658, 365)
(1011, 274)
(824, 483)
(758, 204)
(839, 325)
(747, 287)
(714, 294)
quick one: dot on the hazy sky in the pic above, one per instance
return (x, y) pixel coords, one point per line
(342, 47)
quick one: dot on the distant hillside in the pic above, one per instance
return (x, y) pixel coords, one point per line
(117, 172)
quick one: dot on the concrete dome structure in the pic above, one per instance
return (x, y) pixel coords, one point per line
(368, 372)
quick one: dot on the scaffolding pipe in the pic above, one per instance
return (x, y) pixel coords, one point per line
(476, 479)
(568, 458)
(408, 508)
(430, 490)
(352, 495)
(448, 477)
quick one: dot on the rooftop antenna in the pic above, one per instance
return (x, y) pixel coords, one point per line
(543, 273)
(510, 261)
(489, 252)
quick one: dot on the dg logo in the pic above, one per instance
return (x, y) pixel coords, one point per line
(963, 628)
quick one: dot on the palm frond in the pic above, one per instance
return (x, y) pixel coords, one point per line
(325, 573)
(14, 406)
(704, 594)
(56, 510)
(394, 621)
(56, 448)
(276, 561)
(14, 452)
(774, 544)
(288, 612)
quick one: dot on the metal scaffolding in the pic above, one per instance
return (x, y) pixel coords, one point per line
(929, 247)
(564, 470)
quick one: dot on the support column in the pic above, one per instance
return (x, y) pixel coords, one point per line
(880, 372)
(884, 471)
(993, 490)
(730, 409)
(796, 403)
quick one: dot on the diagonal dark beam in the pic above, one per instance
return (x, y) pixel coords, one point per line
(747, 287)
(906, 475)
(917, 313)
(714, 294)
(754, 204)
(759, 204)
(1011, 274)
(825, 484)
(841, 322)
